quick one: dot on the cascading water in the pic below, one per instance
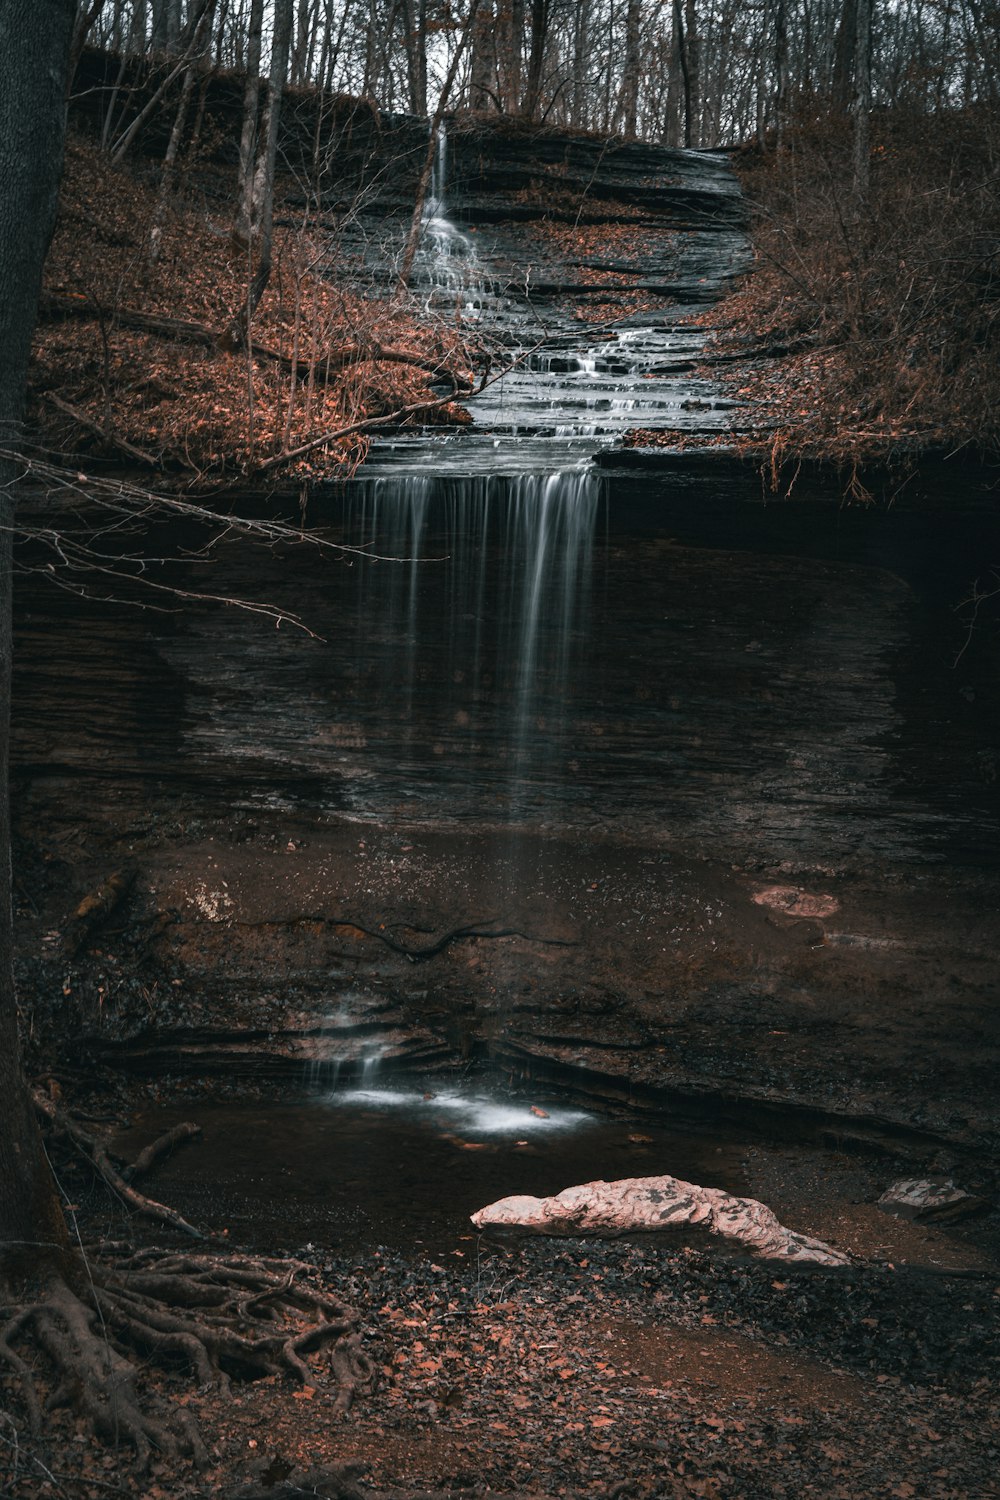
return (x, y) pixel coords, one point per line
(446, 262)
(477, 587)
(475, 562)
(342, 1048)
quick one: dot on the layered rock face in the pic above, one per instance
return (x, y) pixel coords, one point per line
(677, 795)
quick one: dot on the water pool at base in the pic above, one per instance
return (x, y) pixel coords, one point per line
(401, 1166)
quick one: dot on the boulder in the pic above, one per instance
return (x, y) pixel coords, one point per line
(929, 1199)
(640, 1204)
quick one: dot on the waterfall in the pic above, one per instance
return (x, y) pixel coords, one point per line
(472, 605)
(435, 204)
(446, 261)
(342, 1049)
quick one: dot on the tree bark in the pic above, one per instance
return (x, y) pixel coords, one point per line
(509, 44)
(692, 75)
(675, 80)
(630, 73)
(861, 103)
(35, 37)
(262, 201)
(844, 54)
(581, 43)
(684, 60)
(780, 70)
(536, 58)
(166, 25)
(248, 135)
(483, 86)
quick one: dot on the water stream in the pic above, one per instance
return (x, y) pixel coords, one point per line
(483, 538)
(446, 267)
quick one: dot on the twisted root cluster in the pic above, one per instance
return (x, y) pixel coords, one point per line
(225, 1316)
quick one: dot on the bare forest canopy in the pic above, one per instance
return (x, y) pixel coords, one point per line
(681, 72)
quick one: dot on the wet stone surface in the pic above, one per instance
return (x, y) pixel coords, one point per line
(521, 796)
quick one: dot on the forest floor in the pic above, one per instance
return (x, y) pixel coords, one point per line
(866, 333)
(131, 366)
(585, 1368)
(552, 1368)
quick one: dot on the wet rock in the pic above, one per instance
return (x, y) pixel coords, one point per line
(640, 1204)
(930, 1199)
(794, 902)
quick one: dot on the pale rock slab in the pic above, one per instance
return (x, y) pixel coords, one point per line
(640, 1204)
(928, 1198)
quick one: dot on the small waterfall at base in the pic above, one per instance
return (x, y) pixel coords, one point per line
(341, 1051)
(472, 609)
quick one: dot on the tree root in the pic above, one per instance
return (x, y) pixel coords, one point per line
(154, 1153)
(61, 1124)
(224, 1317)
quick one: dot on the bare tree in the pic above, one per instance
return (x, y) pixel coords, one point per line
(242, 224)
(861, 101)
(540, 15)
(258, 244)
(630, 71)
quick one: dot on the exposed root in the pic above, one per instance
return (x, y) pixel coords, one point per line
(415, 955)
(223, 1316)
(61, 1124)
(154, 1153)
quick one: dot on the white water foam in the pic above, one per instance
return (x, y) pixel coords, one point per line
(473, 1114)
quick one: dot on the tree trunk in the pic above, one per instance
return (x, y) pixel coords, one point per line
(692, 75)
(675, 80)
(581, 42)
(483, 90)
(509, 44)
(684, 59)
(254, 238)
(248, 136)
(202, 41)
(861, 103)
(536, 58)
(780, 70)
(844, 54)
(137, 30)
(630, 73)
(35, 38)
(166, 25)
